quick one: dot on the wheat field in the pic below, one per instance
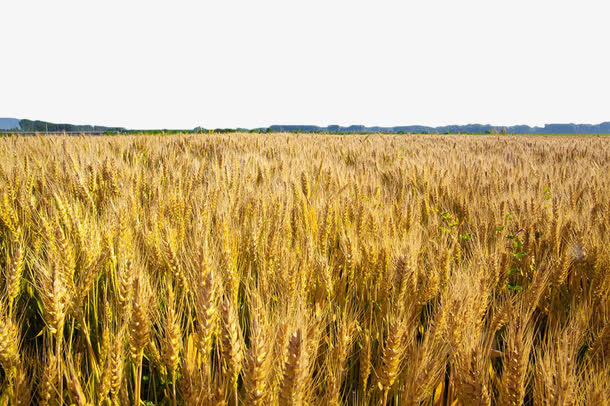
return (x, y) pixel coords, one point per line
(296, 269)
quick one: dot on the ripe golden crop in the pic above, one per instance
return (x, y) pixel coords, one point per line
(300, 269)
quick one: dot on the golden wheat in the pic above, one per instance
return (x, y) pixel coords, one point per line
(304, 269)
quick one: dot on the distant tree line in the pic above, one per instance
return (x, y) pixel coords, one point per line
(30, 126)
(603, 128)
(42, 126)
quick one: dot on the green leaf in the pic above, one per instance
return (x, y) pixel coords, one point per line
(520, 255)
(513, 286)
(517, 244)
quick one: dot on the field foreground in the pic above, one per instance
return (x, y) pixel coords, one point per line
(305, 269)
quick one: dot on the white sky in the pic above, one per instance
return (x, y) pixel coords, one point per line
(179, 64)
